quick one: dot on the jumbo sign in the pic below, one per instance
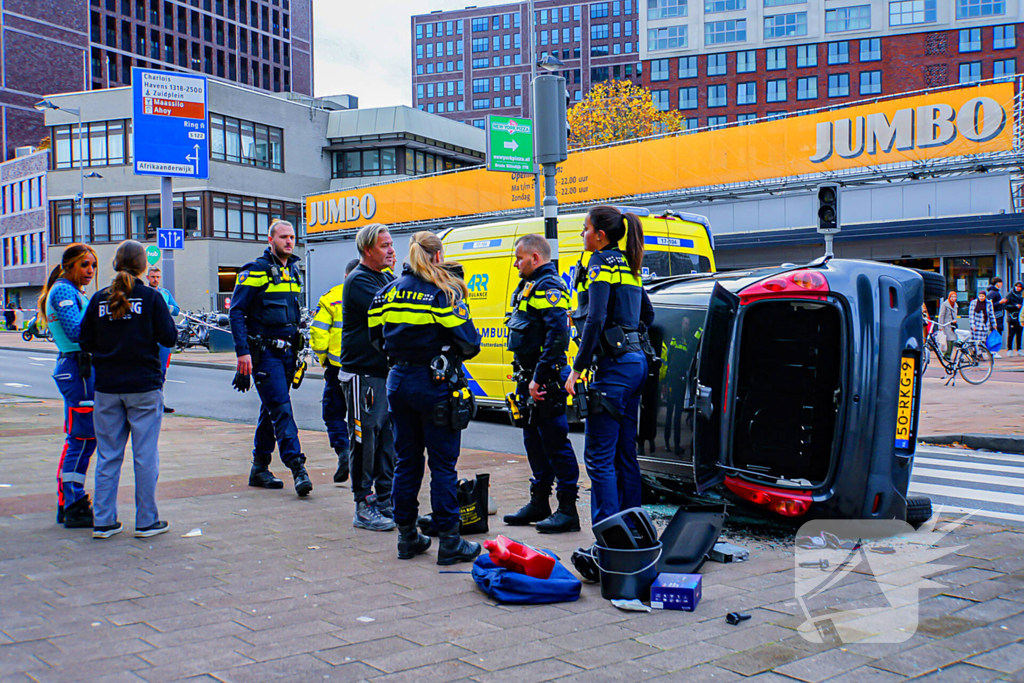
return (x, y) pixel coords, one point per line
(948, 123)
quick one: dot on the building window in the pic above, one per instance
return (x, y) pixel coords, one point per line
(479, 24)
(838, 85)
(780, 3)
(692, 124)
(659, 70)
(688, 98)
(718, 96)
(775, 58)
(599, 10)
(688, 67)
(246, 142)
(724, 5)
(969, 9)
(745, 119)
(1003, 37)
(785, 25)
(970, 72)
(717, 65)
(597, 32)
(666, 38)
(970, 40)
(366, 163)
(1004, 69)
(776, 91)
(481, 85)
(746, 61)
(906, 12)
(102, 144)
(662, 9)
(870, 82)
(871, 50)
(806, 55)
(746, 93)
(731, 31)
(660, 99)
(839, 53)
(717, 121)
(807, 88)
(855, 18)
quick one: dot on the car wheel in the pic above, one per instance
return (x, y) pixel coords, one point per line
(919, 511)
(934, 285)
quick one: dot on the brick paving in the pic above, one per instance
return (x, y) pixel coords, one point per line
(278, 588)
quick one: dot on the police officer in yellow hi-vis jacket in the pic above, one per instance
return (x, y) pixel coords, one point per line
(325, 342)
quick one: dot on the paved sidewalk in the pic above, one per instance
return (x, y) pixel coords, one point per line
(278, 588)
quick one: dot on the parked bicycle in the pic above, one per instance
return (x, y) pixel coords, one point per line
(194, 328)
(973, 362)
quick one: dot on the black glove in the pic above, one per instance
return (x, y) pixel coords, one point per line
(242, 382)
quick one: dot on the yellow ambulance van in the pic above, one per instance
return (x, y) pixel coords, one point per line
(675, 244)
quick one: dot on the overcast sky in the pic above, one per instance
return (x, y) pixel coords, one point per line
(361, 47)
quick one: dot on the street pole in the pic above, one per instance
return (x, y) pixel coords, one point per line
(533, 105)
(81, 182)
(550, 146)
(167, 221)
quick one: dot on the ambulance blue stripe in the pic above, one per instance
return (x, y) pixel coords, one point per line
(474, 386)
(668, 241)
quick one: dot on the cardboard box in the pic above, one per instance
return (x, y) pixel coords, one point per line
(676, 591)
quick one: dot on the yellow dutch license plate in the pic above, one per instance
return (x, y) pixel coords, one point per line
(905, 402)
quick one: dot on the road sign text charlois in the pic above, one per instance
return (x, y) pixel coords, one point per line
(169, 126)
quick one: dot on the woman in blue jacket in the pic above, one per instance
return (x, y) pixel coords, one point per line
(62, 305)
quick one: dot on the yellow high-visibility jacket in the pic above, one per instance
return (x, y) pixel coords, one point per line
(325, 335)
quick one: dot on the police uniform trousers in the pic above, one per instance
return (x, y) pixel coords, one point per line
(334, 412)
(610, 450)
(276, 424)
(372, 438)
(546, 438)
(411, 399)
(79, 436)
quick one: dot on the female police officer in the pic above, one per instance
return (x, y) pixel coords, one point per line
(611, 305)
(422, 322)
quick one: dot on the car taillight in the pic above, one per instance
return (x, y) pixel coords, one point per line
(779, 501)
(799, 283)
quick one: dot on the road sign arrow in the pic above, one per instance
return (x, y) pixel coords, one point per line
(512, 145)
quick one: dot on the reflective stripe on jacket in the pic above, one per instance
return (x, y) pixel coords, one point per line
(325, 332)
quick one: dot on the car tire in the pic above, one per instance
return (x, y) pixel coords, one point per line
(934, 285)
(919, 511)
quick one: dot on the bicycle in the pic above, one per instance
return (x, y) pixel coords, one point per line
(972, 361)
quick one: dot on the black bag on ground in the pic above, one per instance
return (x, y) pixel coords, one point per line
(472, 496)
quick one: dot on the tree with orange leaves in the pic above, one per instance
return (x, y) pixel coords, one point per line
(618, 110)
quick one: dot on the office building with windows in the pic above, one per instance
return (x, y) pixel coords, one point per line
(470, 63)
(24, 231)
(728, 61)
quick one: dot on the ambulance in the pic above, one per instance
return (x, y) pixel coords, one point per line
(675, 244)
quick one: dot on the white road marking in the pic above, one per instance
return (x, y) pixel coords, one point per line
(51, 359)
(983, 466)
(1015, 499)
(1010, 516)
(176, 381)
(38, 365)
(1001, 457)
(16, 385)
(996, 480)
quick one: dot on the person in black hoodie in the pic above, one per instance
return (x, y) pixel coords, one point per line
(1014, 302)
(124, 327)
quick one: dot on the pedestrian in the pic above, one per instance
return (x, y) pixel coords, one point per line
(539, 338)
(983, 320)
(124, 327)
(265, 315)
(372, 436)
(325, 342)
(947, 322)
(996, 298)
(154, 275)
(1014, 304)
(62, 304)
(422, 322)
(611, 305)
(9, 323)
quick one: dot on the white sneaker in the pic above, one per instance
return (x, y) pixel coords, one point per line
(996, 355)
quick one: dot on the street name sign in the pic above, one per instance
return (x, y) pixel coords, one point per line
(170, 238)
(169, 124)
(509, 144)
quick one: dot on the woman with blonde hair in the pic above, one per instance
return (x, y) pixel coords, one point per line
(422, 322)
(62, 305)
(124, 327)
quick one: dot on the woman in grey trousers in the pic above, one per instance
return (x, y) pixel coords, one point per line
(947, 321)
(123, 328)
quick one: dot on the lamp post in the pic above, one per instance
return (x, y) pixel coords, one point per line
(550, 139)
(43, 105)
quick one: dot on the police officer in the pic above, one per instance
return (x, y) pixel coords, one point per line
(264, 323)
(539, 338)
(325, 342)
(422, 322)
(611, 307)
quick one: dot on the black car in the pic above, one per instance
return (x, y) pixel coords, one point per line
(796, 387)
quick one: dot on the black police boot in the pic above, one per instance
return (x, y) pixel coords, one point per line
(452, 548)
(78, 515)
(411, 542)
(566, 518)
(341, 474)
(263, 478)
(302, 483)
(537, 509)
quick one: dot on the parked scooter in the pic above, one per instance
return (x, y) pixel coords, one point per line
(32, 331)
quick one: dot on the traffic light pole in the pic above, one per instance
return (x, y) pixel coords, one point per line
(550, 147)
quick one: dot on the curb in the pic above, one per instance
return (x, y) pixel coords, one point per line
(1003, 443)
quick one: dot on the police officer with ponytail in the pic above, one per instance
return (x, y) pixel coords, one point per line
(421, 321)
(612, 312)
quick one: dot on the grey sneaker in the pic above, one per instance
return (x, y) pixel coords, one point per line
(386, 509)
(368, 517)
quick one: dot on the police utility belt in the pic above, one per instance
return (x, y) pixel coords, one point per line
(521, 405)
(458, 407)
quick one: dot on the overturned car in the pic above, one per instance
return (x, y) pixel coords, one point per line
(796, 387)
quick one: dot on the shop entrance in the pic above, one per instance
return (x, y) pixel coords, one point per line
(968, 275)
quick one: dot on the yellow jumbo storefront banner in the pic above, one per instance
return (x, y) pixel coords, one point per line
(950, 123)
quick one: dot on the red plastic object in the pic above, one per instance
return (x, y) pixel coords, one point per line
(805, 284)
(519, 558)
(784, 502)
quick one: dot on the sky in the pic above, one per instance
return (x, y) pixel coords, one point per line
(362, 47)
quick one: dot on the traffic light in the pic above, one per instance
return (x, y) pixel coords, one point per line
(828, 208)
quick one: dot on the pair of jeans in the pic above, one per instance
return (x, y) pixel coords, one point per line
(610, 450)
(117, 417)
(79, 433)
(411, 400)
(276, 423)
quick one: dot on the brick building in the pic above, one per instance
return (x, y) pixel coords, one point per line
(469, 63)
(93, 44)
(24, 229)
(723, 61)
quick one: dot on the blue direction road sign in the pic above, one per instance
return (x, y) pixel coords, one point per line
(170, 238)
(169, 126)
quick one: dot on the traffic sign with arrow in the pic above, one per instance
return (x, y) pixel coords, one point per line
(509, 144)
